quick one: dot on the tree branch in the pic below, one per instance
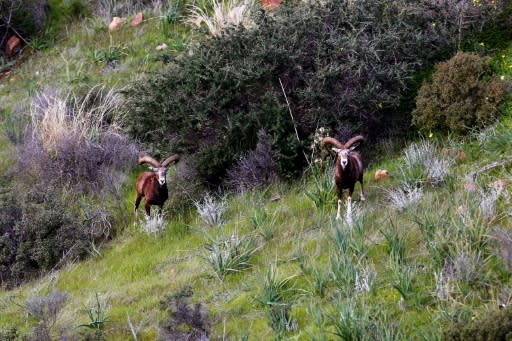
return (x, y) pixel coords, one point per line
(472, 176)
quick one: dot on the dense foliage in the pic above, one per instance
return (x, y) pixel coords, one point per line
(344, 64)
(462, 95)
(496, 326)
(25, 18)
(55, 199)
(36, 231)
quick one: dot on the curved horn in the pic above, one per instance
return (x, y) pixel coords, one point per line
(168, 161)
(331, 140)
(149, 160)
(356, 139)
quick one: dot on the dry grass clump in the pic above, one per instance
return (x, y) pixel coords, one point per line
(226, 13)
(403, 197)
(256, 168)
(153, 225)
(211, 210)
(77, 141)
(56, 116)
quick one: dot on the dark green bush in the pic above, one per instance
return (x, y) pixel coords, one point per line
(462, 95)
(495, 326)
(23, 17)
(36, 231)
(345, 65)
(9, 334)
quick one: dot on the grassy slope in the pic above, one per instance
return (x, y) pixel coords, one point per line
(135, 271)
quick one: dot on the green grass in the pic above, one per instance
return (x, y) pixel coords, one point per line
(135, 271)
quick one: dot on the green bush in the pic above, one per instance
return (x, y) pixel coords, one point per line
(495, 326)
(462, 95)
(35, 233)
(343, 65)
(24, 17)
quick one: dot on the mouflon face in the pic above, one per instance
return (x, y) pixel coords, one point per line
(342, 156)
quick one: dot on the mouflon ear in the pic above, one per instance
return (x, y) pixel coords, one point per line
(336, 150)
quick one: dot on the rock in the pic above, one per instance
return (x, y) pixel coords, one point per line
(13, 46)
(139, 18)
(381, 174)
(161, 47)
(115, 24)
(447, 151)
(271, 4)
(275, 198)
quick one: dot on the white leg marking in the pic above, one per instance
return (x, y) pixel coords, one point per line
(338, 215)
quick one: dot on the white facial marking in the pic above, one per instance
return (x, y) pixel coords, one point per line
(161, 173)
(343, 156)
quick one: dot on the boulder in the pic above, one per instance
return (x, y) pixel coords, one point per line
(271, 4)
(115, 24)
(137, 20)
(381, 174)
(161, 47)
(13, 45)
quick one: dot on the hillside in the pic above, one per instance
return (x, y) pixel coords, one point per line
(427, 252)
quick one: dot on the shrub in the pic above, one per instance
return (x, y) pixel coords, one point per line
(9, 334)
(46, 310)
(264, 222)
(213, 102)
(255, 169)
(107, 9)
(495, 325)
(229, 255)
(461, 95)
(323, 191)
(153, 225)
(68, 165)
(75, 141)
(97, 312)
(277, 296)
(423, 163)
(211, 210)
(36, 232)
(26, 17)
(403, 197)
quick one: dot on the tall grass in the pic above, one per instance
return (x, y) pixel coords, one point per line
(277, 297)
(211, 209)
(56, 116)
(423, 163)
(322, 193)
(229, 254)
(153, 225)
(226, 13)
(264, 222)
